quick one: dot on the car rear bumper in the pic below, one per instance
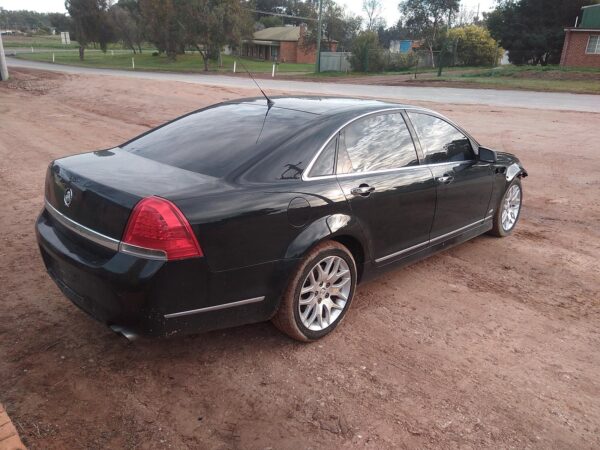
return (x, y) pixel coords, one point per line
(153, 297)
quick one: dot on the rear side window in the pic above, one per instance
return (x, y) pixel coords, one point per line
(324, 164)
(377, 142)
(441, 141)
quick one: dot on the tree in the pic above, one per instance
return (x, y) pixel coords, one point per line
(338, 25)
(367, 53)
(533, 30)
(90, 23)
(475, 46)
(271, 21)
(372, 8)
(127, 26)
(163, 25)
(426, 18)
(61, 22)
(211, 24)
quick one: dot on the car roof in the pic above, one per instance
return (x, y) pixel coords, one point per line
(325, 105)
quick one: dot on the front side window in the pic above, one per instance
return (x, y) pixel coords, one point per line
(441, 142)
(593, 46)
(377, 142)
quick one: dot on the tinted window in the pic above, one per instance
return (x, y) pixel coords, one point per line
(377, 142)
(218, 140)
(440, 141)
(325, 162)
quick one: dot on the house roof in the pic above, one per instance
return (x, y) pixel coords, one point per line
(278, 34)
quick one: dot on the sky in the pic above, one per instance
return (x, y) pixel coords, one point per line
(389, 13)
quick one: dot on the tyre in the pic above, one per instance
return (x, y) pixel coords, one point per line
(319, 294)
(509, 210)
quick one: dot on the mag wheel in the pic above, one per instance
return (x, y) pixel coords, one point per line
(319, 293)
(509, 210)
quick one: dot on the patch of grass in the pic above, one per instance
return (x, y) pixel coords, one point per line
(574, 86)
(41, 41)
(190, 62)
(541, 72)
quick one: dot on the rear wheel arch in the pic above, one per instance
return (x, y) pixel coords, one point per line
(355, 246)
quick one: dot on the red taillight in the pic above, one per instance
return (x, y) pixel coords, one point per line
(157, 224)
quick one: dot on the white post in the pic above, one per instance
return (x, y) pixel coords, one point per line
(234, 65)
(31, 49)
(133, 63)
(273, 72)
(112, 53)
(52, 57)
(3, 68)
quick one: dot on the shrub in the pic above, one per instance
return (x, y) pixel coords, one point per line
(367, 53)
(475, 46)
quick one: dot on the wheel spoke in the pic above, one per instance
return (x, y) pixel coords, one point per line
(319, 310)
(308, 301)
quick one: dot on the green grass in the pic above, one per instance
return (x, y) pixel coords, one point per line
(49, 41)
(190, 62)
(548, 78)
(573, 86)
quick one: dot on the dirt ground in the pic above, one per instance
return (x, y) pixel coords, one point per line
(493, 344)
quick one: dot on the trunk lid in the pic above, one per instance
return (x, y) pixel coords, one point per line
(106, 185)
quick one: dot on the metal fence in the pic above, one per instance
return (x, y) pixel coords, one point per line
(335, 61)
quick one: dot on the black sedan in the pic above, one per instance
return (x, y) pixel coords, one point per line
(251, 210)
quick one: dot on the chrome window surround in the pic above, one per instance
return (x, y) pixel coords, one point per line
(215, 307)
(307, 177)
(101, 239)
(434, 240)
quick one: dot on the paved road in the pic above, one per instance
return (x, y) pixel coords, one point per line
(522, 99)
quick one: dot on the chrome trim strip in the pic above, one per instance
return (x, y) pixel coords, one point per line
(401, 252)
(437, 238)
(375, 172)
(77, 228)
(215, 308)
(433, 241)
(142, 252)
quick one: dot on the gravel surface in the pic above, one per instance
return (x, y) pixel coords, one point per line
(490, 344)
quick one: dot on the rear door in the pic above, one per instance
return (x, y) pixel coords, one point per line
(464, 184)
(389, 193)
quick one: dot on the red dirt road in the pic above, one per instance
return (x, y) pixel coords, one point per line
(491, 344)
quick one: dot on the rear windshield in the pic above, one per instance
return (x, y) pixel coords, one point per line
(218, 140)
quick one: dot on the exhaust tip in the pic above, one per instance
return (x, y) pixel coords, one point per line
(125, 332)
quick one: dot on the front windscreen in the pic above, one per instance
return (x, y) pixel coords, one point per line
(216, 141)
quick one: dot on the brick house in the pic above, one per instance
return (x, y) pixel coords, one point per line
(282, 44)
(582, 43)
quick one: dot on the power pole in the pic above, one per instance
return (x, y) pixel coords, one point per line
(3, 68)
(319, 31)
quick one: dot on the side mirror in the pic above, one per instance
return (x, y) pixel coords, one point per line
(487, 155)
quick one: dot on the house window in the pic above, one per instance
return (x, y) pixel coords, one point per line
(593, 46)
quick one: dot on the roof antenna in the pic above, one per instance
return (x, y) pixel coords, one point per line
(270, 102)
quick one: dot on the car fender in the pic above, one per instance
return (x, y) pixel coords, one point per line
(515, 169)
(326, 227)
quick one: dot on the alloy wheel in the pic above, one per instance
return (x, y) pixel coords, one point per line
(511, 207)
(324, 293)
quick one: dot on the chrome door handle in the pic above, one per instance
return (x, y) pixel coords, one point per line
(446, 179)
(363, 190)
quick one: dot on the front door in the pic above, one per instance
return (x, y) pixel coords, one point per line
(464, 184)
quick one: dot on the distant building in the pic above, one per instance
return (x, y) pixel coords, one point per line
(403, 46)
(582, 42)
(282, 44)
